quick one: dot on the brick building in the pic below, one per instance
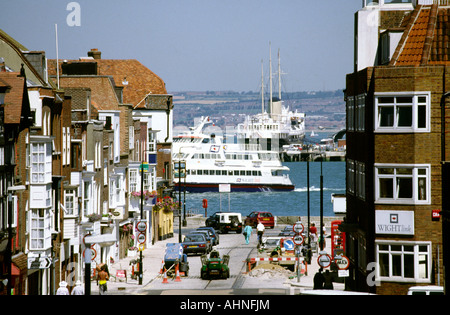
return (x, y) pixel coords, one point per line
(394, 146)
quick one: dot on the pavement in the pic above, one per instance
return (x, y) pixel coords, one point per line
(152, 258)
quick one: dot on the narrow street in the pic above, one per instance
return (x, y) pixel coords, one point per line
(239, 283)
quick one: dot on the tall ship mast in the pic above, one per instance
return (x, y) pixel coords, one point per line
(279, 125)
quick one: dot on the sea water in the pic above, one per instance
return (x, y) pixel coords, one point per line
(291, 203)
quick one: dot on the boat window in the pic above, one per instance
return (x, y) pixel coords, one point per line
(242, 173)
(224, 172)
(230, 173)
(236, 173)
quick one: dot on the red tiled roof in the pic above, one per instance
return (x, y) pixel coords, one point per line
(426, 39)
(14, 98)
(141, 80)
(413, 48)
(102, 91)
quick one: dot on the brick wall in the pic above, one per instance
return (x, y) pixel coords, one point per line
(404, 148)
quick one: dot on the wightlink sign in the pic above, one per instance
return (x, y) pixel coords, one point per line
(394, 222)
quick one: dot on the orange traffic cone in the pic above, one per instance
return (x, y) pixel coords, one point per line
(161, 271)
(177, 273)
(165, 277)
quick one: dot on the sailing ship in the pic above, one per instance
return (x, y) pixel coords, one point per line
(278, 124)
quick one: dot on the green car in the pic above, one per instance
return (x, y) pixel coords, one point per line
(214, 266)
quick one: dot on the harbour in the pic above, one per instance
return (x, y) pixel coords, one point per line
(286, 203)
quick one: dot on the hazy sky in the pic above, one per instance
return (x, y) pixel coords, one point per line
(199, 44)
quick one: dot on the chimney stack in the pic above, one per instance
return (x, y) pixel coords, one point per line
(95, 53)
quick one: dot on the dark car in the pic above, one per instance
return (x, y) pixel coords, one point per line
(195, 243)
(213, 233)
(266, 218)
(209, 239)
(287, 231)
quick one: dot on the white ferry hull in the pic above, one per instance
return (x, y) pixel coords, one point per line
(205, 187)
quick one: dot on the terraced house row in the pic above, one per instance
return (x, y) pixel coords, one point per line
(73, 136)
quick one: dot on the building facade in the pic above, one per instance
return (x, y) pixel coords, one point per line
(394, 170)
(71, 148)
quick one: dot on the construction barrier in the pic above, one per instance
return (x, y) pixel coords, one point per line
(251, 261)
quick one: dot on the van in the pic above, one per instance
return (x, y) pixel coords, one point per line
(426, 290)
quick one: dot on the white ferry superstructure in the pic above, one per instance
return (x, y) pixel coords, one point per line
(211, 161)
(279, 123)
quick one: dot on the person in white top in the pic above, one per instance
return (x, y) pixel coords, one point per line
(78, 290)
(260, 229)
(62, 290)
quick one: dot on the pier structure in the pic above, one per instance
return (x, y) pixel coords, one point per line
(313, 156)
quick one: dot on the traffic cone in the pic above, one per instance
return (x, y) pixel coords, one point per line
(161, 271)
(177, 273)
(165, 277)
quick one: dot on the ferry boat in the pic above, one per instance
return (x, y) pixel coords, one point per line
(212, 160)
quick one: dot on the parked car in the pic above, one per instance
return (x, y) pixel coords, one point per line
(224, 222)
(265, 217)
(287, 231)
(195, 243)
(213, 233)
(207, 236)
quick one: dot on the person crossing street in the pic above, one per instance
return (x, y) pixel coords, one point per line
(260, 229)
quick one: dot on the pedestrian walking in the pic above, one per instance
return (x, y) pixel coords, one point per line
(260, 229)
(103, 277)
(313, 232)
(78, 290)
(247, 232)
(62, 290)
(319, 280)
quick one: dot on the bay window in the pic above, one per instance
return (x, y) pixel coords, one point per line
(40, 236)
(402, 112)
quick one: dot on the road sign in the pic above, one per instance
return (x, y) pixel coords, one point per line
(141, 226)
(141, 238)
(324, 260)
(342, 262)
(298, 228)
(39, 263)
(298, 239)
